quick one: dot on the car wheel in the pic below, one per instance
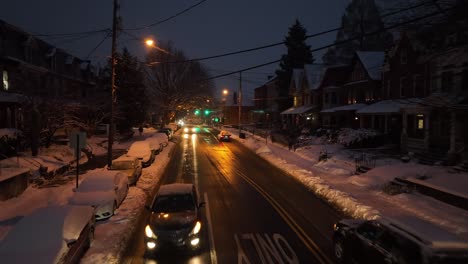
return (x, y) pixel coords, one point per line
(338, 250)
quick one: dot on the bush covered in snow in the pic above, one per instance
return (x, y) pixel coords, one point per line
(358, 138)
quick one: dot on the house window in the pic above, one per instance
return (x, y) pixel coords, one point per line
(389, 89)
(333, 98)
(326, 98)
(403, 57)
(420, 122)
(6, 83)
(403, 86)
(446, 81)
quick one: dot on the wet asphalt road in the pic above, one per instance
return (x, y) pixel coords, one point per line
(254, 212)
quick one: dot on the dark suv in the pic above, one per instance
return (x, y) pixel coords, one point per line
(391, 241)
(174, 219)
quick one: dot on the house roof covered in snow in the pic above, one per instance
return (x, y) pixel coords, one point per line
(386, 107)
(372, 62)
(298, 110)
(350, 107)
(314, 74)
(296, 78)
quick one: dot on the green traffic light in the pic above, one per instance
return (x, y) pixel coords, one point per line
(197, 112)
(207, 112)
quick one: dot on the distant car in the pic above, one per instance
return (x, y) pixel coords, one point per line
(391, 241)
(56, 234)
(191, 129)
(141, 150)
(131, 166)
(175, 219)
(224, 136)
(103, 189)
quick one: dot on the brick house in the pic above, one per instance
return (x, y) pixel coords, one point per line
(33, 70)
(361, 87)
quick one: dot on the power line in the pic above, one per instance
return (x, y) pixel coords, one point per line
(98, 45)
(331, 45)
(282, 42)
(168, 18)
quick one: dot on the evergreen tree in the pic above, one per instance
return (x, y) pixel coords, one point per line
(298, 54)
(131, 100)
(360, 17)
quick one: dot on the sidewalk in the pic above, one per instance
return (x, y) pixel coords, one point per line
(366, 195)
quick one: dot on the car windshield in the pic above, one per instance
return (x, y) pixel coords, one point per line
(122, 165)
(174, 203)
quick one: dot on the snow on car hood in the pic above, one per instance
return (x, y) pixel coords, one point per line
(92, 198)
(41, 237)
(173, 221)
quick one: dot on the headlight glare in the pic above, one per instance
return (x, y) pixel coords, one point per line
(196, 228)
(149, 233)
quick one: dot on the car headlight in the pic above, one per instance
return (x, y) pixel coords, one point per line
(196, 228)
(186, 129)
(149, 233)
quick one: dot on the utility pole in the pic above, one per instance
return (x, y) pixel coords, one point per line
(239, 103)
(110, 140)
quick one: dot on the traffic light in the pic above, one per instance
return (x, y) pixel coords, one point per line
(197, 112)
(216, 119)
(207, 112)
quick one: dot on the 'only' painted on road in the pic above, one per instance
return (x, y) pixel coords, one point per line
(269, 248)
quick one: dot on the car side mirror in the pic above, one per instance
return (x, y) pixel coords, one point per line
(70, 242)
(147, 207)
(202, 204)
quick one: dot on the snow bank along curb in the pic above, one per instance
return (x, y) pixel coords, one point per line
(125, 228)
(317, 185)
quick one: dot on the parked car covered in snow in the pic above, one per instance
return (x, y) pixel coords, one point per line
(103, 189)
(157, 142)
(393, 241)
(141, 150)
(131, 166)
(56, 234)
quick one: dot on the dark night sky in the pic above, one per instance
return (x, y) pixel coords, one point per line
(214, 27)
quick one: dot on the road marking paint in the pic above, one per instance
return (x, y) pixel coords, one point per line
(214, 259)
(308, 242)
(270, 249)
(241, 257)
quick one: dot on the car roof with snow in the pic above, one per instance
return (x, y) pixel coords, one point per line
(425, 232)
(175, 188)
(42, 236)
(125, 158)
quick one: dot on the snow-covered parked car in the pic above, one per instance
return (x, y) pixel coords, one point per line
(131, 166)
(103, 189)
(157, 142)
(56, 234)
(406, 240)
(141, 150)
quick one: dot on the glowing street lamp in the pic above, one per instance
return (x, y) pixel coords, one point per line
(225, 91)
(149, 42)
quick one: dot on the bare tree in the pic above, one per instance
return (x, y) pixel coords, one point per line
(174, 82)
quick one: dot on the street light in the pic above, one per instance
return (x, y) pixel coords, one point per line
(225, 91)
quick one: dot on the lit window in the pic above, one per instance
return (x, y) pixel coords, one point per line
(420, 120)
(5, 80)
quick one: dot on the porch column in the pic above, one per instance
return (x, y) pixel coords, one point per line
(386, 124)
(361, 121)
(452, 153)
(404, 136)
(426, 131)
(373, 121)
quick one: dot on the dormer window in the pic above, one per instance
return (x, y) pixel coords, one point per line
(6, 83)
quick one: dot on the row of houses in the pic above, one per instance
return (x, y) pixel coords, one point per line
(418, 101)
(33, 70)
